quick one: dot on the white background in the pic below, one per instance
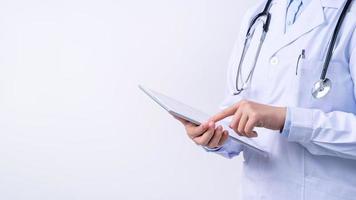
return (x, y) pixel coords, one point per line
(73, 124)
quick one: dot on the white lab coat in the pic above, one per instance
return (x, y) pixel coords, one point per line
(317, 161)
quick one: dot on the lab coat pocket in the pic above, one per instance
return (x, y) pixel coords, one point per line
(309, 73)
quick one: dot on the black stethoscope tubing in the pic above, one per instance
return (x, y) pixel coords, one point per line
(333, 40)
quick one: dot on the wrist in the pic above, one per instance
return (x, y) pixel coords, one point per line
(287, 124)
(282, 118)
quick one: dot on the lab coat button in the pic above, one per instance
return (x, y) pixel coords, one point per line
(274, 60)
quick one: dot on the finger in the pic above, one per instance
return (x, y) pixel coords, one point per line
(196, 131)
(223, 138)
(216, 137)
(206, 137)
(225, 113)
(242, 124)
(190, 127)
(251, 123)
(235, 122)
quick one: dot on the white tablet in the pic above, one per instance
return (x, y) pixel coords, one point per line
(197, 117)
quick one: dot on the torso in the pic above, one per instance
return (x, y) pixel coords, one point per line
(291, 172)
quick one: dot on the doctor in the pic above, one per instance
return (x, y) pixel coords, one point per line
(305, 117)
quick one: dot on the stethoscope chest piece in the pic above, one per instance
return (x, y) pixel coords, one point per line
(321, 88)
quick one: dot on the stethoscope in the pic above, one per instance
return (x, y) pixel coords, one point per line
(321, 87)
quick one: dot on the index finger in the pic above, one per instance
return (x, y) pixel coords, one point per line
(225, 113)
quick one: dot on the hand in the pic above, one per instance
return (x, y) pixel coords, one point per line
(206, 134)
(247, 115)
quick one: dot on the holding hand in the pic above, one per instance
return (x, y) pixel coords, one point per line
(206, 134)
(247, 115)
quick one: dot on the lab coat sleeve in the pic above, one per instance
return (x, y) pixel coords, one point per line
(321, 133)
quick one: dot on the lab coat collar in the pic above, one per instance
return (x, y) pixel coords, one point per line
(312, 17)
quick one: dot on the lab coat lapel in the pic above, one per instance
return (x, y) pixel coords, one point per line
(310, 18)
